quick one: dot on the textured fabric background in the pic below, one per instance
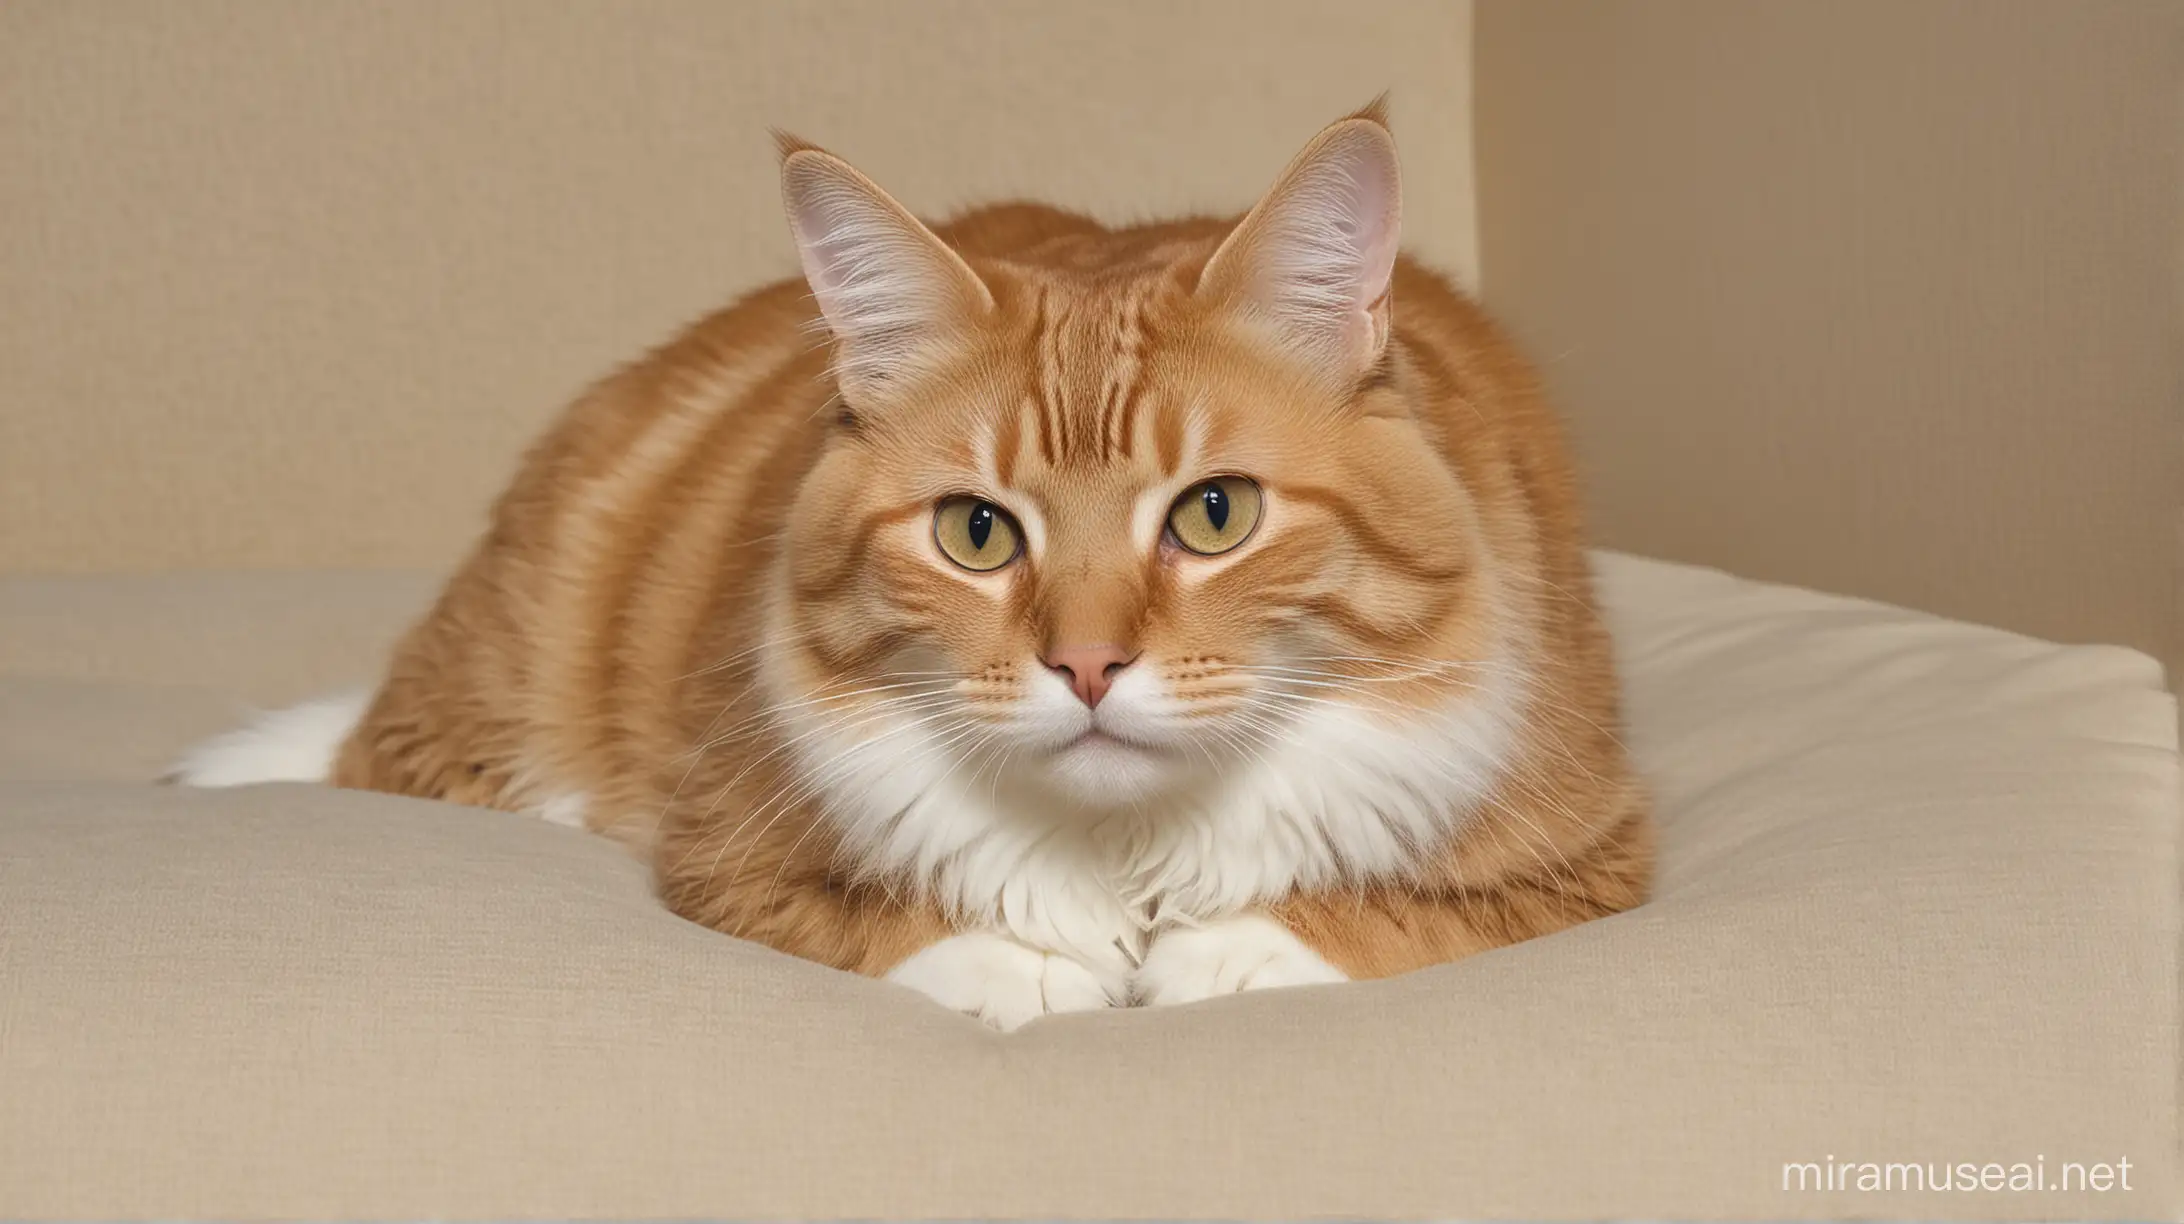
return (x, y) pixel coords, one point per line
(1866, 295)
(1877, 297)
(291, 284)
(1917, 903)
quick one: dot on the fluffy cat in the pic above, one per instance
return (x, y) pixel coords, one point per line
(1047, 616)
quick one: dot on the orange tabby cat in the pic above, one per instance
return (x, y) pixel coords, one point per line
(1046, 616)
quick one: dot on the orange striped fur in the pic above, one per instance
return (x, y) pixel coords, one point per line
(711, 613)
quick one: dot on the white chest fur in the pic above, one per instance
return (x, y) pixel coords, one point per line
(1351, 795)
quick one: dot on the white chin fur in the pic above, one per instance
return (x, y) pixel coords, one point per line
(1133, 759)
(1104, 773)
(1074, 849)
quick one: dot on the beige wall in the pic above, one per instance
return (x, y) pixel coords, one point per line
(1871, 295)
(290, 283)
(1880, 296)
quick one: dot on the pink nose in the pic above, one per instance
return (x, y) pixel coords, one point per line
(1089, 669)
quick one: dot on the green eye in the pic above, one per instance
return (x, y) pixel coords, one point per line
(977, 535)
(1215, 516)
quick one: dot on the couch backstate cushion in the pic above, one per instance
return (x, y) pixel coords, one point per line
(292, 284)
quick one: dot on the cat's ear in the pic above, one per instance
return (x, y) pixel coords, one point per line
(1314, 259)
(891, 291)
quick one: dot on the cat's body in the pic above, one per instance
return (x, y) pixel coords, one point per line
(737, 611)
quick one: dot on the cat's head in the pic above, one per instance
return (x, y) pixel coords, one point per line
(1107, 516)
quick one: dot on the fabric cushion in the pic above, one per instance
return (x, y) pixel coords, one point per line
(1917, 904)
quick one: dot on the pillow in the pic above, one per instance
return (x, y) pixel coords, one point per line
(1916, 906)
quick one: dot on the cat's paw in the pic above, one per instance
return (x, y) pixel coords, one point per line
(1224, 956)
(1000, 981)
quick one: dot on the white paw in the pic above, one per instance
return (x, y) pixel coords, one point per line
(1000, 981)
(1227, 955)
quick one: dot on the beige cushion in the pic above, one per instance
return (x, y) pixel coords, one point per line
(1916, 904)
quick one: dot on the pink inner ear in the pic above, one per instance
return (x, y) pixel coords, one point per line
(1320, 250)
(807, 219)
(865, 272)
(1380, 232)
(885, 284)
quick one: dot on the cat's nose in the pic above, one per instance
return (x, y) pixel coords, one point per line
(1088, 669)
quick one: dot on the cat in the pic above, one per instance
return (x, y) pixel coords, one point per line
(1047, 616)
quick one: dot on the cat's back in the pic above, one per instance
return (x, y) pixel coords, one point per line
(537, 680)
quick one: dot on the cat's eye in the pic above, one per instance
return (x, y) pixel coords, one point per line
(975, 534)
(1215, 516)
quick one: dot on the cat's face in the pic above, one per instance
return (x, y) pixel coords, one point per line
(1117, 565)
(1104, 537)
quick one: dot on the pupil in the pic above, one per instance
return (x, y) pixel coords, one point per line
(981, 527)
(1216, 507)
